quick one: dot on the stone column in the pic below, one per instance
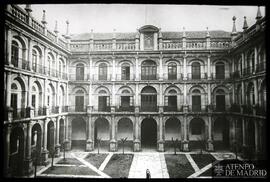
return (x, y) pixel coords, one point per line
(7, 150)
(256, 59)
(185, 146)
(113, 69)
(209, 96)
(243, 93)
(28, 162)
(210, 146)
(8, 44)
(185, 68)
(68, 137)
(90, 98)
(8, 92)
(155, 41)
(141, 42)
(209, 74)
(67, 98)
(244, 132)
(30, 45)
(160, 68)
(90, 68)
(185, 106)
(137, 98)
(137, 142)
(243, 62)
(161, 134)
(45, 151)
(29, 101)
(57, 146)
(89, 142)
(160, 98)
(257, 142)
(137, 77)
(113, 142)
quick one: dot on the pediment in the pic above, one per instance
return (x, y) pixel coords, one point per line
(148, 28)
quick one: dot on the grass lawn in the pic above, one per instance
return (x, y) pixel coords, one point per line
(70, 161)
(70, 170)
(202, 159)
(178, 166)
(119, 165)
(95, 159)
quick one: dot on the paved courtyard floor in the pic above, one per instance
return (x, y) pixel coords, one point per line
(147, 159)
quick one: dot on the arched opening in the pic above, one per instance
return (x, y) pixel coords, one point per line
(220, 100)
(250, 94)
(172, 71)
(125, 71)
(148, 70)
(172, 130)
(197, 135)
(61, 132)
(149, 133)
(37, 143)
(78, 135)
(148, 99)
(17, 100)
(14, 53)
(102, 71)
(125, 129)
(220, 70)
(126, 103)
(16, 156)
(80, 71)
(102, 131)
(50, 136)
(196, 70)
(221, 134)
(79, 101)
(196, 100)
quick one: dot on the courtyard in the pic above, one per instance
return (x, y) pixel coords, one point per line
(103, 164)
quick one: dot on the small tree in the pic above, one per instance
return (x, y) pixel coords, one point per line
(52, 153)
(123, 141)
(174, 142)
(98, 143)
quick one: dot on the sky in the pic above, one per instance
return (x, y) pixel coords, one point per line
(129, 17)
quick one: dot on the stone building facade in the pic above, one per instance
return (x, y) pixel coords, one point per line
(149, 86)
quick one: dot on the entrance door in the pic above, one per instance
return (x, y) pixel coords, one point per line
(102, 103)
(149, 133)
(220, 101)
(196, 103)
(79, 103)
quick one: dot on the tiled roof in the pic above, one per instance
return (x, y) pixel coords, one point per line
(165, 35)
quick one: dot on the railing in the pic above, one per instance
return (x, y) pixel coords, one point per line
(40, 111)
(54, 109)
(125, 46)
(172, 45)
(74, 77)
(120, 77)
(18, 13)
(247, 109)
(236, 74)
(201, 76)
(64, 108)
(177, 76)
(104, 109)
(235, 108)
(198, 108)
(148, 109)
(77, 108)
(51, 36)
(220, 44)
(219, 76)
(261, 111)
(148, 77)
(19, 113)
(35, 25)
(97, 77)
(261, 67)
(106, 46)
(172, 109)
(221, 108)
(125, 109)
(196, 44)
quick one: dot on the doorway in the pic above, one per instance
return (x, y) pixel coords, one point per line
(149, 133)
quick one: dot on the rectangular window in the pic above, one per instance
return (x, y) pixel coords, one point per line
(196, 103)
(33, 101)
(148, 41)
(79, 103)
(220, 102)
(103, 103)
(125, 73)
(172, 103)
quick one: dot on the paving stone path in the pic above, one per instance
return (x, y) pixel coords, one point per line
(155, 162)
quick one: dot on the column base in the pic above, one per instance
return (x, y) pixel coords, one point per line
(57, 150)
(44, 157)
(210, 146)
(136, 146)
(68, 145)
(160, 146)
(89, 145)
(185, 146)
(113, 146)
(28, 166)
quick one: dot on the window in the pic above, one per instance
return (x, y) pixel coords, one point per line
(172, 71)
(251, 62)
(196, 70)
(103, 101)
(250, 95)
(220, 100)
(125, 72)
(34, 60)
(220, 70)
(49, 65)
(148, 99)
(149, 70)
(14, 53)
(80, 72)
(102, 71)
(148, 41)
